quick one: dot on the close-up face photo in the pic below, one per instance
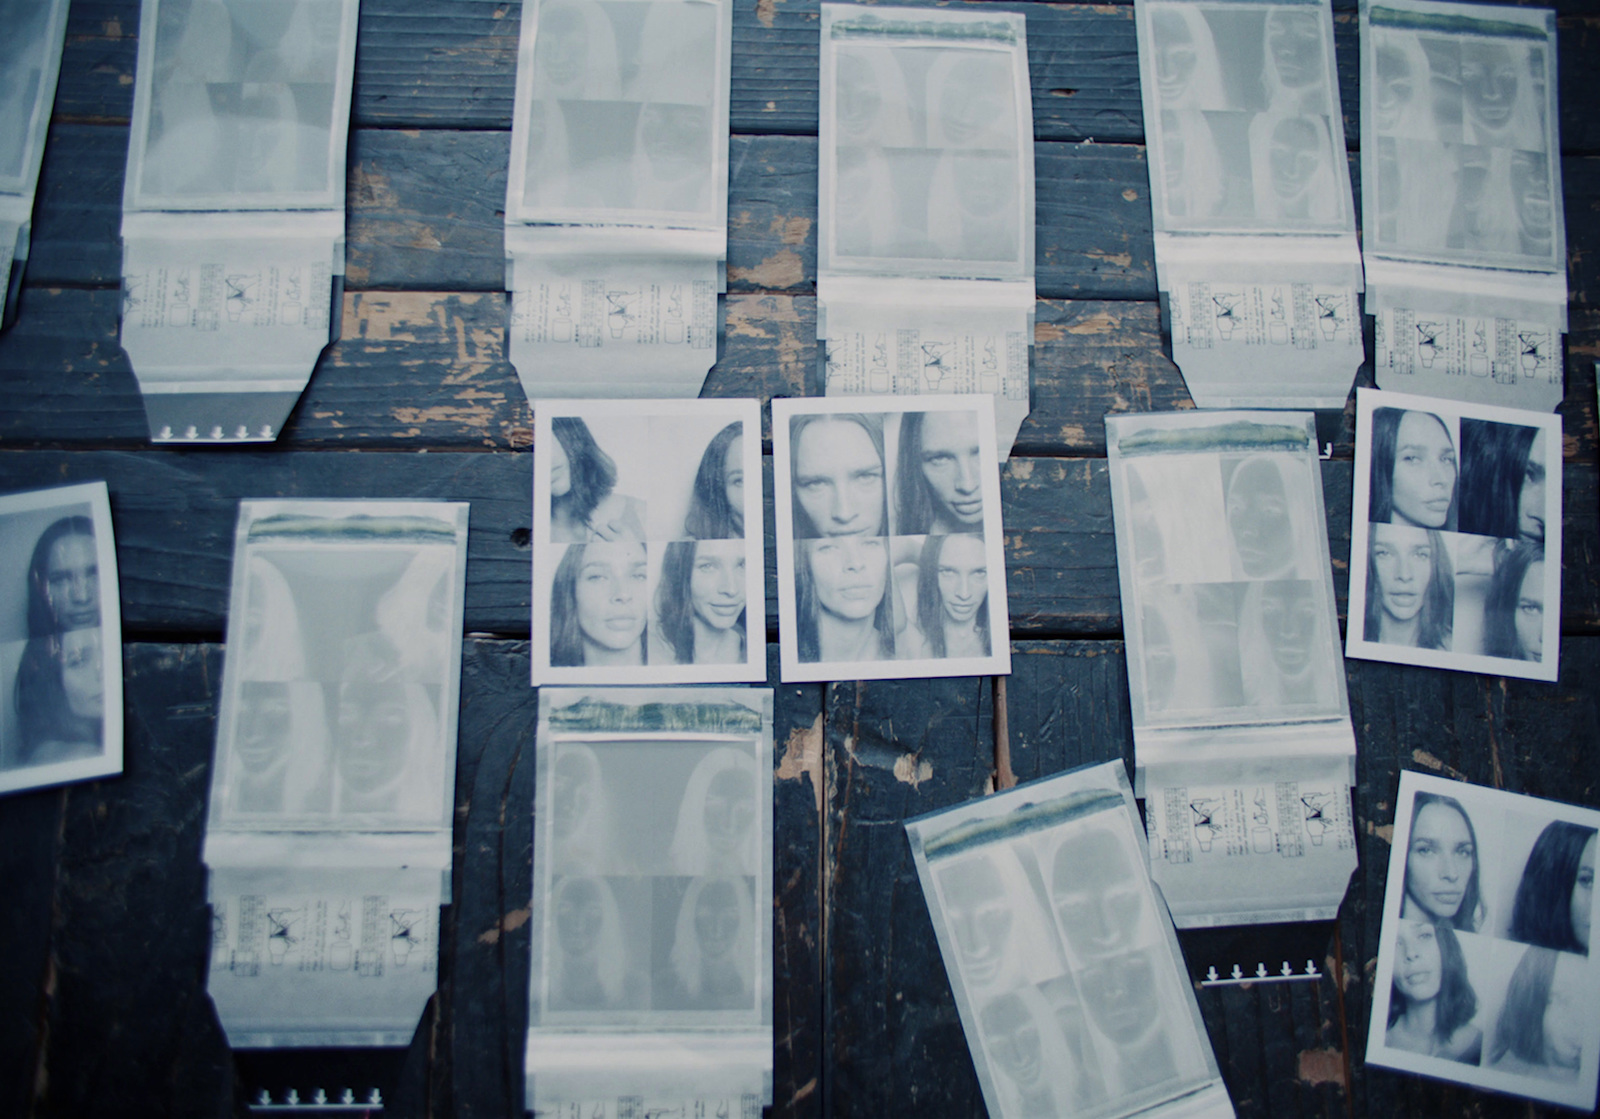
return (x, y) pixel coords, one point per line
(952, 465)
(1441, 863)
(1424, 471)
(849, 574)
(839, 478)
(611, 594)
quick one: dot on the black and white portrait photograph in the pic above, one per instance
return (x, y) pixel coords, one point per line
(1062, 960)
(1243, 117)
(30, 56)
(890, 559)
(1484, 973)
(1454, 515)
(925, 156)
(245, 103)
(61, 649)
(1459, 119)
(648, 542)
(342, 665)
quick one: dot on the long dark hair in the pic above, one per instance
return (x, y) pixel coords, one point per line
(1456, 1002)
(1542, 911)
(1494, 464)
(930, 603)
(1436, 619)
(1469, 913)
(710, 516)
(42, 618)
(592, 472)
(1385, 442)
(913, 504)
(566, 636)
(872, 425)
(1519, 1029)
(1512, 558)
(43, 714)
(674, 603)
(806, 606)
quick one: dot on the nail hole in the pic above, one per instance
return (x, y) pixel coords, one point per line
(522, 537)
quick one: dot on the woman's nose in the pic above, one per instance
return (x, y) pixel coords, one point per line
(844, 504)
(967, 480)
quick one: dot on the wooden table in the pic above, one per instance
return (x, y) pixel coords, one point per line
(104, 929)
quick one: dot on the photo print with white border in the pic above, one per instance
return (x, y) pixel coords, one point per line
(648, 535)
(1455, 536)
(60, 639)
(891, 561)
(1484, 971)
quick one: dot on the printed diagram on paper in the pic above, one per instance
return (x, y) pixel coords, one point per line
(206, 297)
(1286, 819)
(913, 362)
(255, 935)
(1292, 316)
(646, 1107)
(616, 311)
(1501, 352)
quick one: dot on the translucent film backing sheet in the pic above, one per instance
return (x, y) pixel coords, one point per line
(1255, 233)
(1485, 974)
(1241, 725)
(233, 209)
(1065, 968)
(30, 59)
(1461, 201)
(328, 835)
(651, 984)
(617, 201)
(925, 235)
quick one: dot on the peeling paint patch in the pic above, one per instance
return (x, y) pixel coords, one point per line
(909, 769)
(1121, 260)
(804, 1090)
(1130, 195)
(1322, 1066)
(511, 922)
(802, 756)
(1422, 757)
(1101, 322)
(782, 269)
(766, 11)
(791, 231)
(1384, 832)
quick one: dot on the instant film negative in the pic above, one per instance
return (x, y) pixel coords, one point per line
(1455, 538)
(617, 200)
(1241, 723)
(1254, 223)
(233, 209)
(328, 836)
(1465, 237)
(652, 869)
(647, 528)
(60, 639)
(925, 234)
(891, 561)
(1485, 975)
(1065, 969)
(30, 59)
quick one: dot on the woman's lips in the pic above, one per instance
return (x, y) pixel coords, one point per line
(622, 623)
(856, 591)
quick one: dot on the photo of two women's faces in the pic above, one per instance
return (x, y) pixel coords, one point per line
(1230, 587)
(1452, 555)
(341, 659)
(926, 154)
(60, 640)
(650, 561)
(653, 854)
(1484, 961)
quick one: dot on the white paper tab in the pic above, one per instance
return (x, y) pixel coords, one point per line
(926, 201)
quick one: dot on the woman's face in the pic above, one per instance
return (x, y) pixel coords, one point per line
(1530, 193)
(563, 47)
(1295, 156)
(573, 793)
(1289, 620)
(1012, 1038)
(1424, 471)
(952, 465)
(72, 581)
(1566, 1013)
(611, 594)
(560, 469)
(264, 726)
(717, 582)
(979, 915)
(1176, 56)
(1529, 617)
(730, 811)
(1295, 47)
(1583, 894)
(838, 478)
(963, 577)
(579, 916)
(1395, 86)
(80, 672)
(1440, 861)
(1258, 519)
(1417, 968)
(733, 481)
(374, 728)
(1488, 81)
(716, 920)
(1095, 893)
(1530, 501)
(1121, 996)
(1402, 559)
(849, 573)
